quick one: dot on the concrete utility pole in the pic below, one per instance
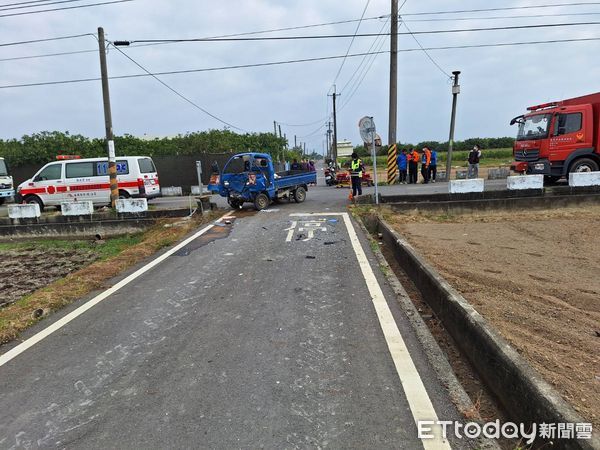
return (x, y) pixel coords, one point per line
(275, 128)
(455, 92)
(329, 139)
(112, 166)
(393, 118)
(295, 141)
(335, 135)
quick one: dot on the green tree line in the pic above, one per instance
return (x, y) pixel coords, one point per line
(40, 148)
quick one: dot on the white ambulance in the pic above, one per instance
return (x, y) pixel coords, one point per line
(6, 182)
(71, 177)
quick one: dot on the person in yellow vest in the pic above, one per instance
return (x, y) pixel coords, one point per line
(356, 174)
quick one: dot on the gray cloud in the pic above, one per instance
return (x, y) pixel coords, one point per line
(497, 83)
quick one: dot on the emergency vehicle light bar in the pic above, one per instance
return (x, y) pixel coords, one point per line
(542, 106)
(63, 157)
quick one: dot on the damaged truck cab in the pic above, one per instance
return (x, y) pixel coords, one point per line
(251, 177)
(6, 182)
(555, 139)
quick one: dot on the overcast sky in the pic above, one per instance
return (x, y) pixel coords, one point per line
(497, 83)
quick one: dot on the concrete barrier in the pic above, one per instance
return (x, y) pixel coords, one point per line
(28, 211)
(77, 208)
(580, 179)
(523, 182)
(465, 186)
(461, 174)
(131, 205)
(498, 174)
(172, 191)
(525, 396)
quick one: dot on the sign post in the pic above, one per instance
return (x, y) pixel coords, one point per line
(368, 133)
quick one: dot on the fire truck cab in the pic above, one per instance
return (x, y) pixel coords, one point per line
(555, 139)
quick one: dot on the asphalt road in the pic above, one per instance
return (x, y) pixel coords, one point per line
(266, 333)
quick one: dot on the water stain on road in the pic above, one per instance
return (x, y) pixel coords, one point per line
(220, 231)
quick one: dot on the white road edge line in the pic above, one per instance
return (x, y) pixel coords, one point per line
(420, 404)
(23, 346)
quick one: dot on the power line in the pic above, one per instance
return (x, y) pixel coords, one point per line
(179, 94)
(511, 8)
(23, 3)
(269, 31)
(38, 6)
(295, 61)
(365, 71)
(532, 16)
(301, 125)
(351, 42)
(314, 132)
(335, 36)
(427, 53)
(57, 38)
(18, 58)
(373, 45)
(63, 8)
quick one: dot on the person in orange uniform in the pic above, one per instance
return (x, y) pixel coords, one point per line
(425, 162)
(413, 166)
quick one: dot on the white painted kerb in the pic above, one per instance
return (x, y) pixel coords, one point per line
(579, 179)
(522, 182)
(131, 205)
(77, 208)
(466, 186)
(28, 211)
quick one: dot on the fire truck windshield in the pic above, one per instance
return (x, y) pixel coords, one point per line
(534, 127)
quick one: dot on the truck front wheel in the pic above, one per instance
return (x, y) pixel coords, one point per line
(300, 195)
(234, 203)
(261, 202)
(584, 165)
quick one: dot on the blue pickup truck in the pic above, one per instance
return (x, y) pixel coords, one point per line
(251, 177)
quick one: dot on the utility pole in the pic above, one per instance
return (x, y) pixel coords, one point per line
(275, 133)
(295, 142)
(112, 166)
(329, 139)
(335, 135)
(280, 136)
(393, 117)
(455, 92)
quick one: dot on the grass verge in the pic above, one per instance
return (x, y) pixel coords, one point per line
(115, 256)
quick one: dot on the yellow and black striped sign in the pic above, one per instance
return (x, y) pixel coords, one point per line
(392, 165)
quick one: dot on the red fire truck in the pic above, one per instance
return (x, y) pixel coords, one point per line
(558, 138)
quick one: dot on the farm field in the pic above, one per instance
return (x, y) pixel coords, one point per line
(534, 277)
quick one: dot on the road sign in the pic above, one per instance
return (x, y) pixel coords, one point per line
(367, 129)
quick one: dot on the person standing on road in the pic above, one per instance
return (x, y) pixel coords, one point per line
(433, 166)
(413, 166)
(425, 162)
(356, 173)
(474, 157)
(402, 161)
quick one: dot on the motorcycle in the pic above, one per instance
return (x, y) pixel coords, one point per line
(330, 176)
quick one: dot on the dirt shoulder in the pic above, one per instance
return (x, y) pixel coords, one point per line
(536, 277)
